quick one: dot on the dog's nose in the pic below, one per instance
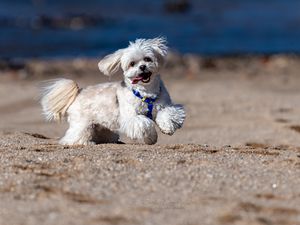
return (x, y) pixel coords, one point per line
(142, 67)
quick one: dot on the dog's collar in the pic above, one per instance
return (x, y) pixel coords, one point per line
(147, 100)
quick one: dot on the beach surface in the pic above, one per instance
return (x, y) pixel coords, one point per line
(235, 161)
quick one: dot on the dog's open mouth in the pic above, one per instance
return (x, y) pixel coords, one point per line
(144, 77)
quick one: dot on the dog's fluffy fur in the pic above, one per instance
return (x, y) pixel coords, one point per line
(97, 114)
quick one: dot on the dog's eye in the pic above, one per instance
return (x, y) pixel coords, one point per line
(132, 64)
(147, 59)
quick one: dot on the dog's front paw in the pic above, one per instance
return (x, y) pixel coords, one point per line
(65, 141)
(140, 127)
(150, 138)
(170, 118)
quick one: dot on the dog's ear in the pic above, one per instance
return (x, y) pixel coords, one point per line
(111, 64)
(159, 44)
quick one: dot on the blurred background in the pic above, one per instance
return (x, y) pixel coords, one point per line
(75, 28)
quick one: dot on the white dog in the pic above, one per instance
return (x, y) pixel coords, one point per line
(98, 114)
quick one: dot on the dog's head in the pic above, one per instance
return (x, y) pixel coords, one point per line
(140, 61)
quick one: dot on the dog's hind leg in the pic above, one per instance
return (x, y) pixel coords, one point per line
(78, 134)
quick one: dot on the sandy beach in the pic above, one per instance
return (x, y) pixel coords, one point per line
(235, 161)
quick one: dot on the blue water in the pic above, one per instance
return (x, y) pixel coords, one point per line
(209, 27)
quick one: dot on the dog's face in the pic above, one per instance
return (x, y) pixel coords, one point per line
(140, 65)
(140, 61)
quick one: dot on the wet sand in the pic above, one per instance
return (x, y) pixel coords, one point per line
(235, 161)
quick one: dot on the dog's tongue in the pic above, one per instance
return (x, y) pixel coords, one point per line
(137, 79)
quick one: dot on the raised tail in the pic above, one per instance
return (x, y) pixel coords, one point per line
(57, 96)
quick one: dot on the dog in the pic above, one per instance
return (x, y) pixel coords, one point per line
(100, 113)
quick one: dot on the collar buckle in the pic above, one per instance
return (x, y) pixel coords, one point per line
(148, 101)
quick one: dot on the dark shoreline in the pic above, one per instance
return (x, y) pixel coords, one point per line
(92, 28)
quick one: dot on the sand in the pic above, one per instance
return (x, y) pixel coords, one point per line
(235, 161)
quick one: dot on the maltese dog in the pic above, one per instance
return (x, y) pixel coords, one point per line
(98, 114)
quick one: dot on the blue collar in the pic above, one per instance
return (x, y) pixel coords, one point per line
(147, 100)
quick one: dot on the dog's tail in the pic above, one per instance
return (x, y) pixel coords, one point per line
(56, 97)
